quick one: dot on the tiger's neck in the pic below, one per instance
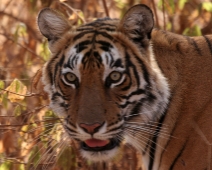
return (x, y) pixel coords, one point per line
(186, 63)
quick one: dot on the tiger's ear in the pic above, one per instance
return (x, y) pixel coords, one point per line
(137, 24)
(52, 24)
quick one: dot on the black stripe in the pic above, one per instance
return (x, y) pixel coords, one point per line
(70, 130)
(171, 134)
(115, 128)
(178, 45)
(106, 35)
(118, 63)
(82, 45)
(56, 67)
(178, 156)
(154, 141)
(105, 43)
(72, 61)
(84, 29)
(146, 147)
(97, 56)
(128, 86)
(49, 67)
(111, 60)
(108, 29)
(125, 105)
(55, 72)
(137, 92)
(107, 59)
(129, 64)
(136, 109)
(61, 60)
(55, 95)
(209, 43)
(82, 34)
(144, 69)
(193, 42)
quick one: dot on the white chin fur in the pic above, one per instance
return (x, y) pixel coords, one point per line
(102, 156)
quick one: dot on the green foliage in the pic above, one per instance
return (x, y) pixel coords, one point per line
(3, 100)
(67, 159)
(194, 31)
(17, 111)
(16, 91)
(44, 50)
(21, 30)
(2, 85)
(7, 165)
(34, 157)
(182, 3)
(207, 6)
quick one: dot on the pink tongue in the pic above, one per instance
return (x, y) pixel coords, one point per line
(96, 142)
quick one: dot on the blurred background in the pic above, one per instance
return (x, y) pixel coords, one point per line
(31, 136)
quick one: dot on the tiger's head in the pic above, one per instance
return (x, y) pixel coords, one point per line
(102, 78)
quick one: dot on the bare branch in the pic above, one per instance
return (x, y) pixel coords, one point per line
(75, 11)
(105, 7)
(26, 48)
(28, 95)
(155, 11)
(164, 19)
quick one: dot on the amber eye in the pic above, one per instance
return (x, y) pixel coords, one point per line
(115, 76)
(70, 77)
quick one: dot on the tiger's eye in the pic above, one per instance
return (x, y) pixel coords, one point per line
(70, 77)
(115, 76)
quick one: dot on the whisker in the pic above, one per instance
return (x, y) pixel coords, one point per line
(151, 132)
(42, 159)
(149, 129)
(149, 124)
(62, 147)
(144, 138)
(38, 161)
(138, 146)
(41, 126)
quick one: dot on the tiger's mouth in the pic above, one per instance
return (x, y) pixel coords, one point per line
(96, 145)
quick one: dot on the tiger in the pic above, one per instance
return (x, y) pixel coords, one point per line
(124, 81)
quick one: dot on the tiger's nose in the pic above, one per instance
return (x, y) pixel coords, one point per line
(90, 128)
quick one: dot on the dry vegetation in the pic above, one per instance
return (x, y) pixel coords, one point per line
(30, 134)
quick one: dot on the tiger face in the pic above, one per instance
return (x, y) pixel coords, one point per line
(102, 77)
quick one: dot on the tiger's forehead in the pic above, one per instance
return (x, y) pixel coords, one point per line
(95, 45)
(94, 49)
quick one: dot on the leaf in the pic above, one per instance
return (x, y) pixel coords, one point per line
(194, 31)
(6, 165)
(17, 89)
(34, 157)
(3, 99)
(21, 167)
(207, 6)
(67, 159)
(44, 50)
(17, 111)
(1, 85)
(182, 3)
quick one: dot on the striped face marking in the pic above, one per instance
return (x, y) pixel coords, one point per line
(94, 53)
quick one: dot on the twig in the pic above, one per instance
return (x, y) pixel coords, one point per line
(105, 7)
(164, 20)
(28, 95)
(9, 2)
(75, 11)
(155, 11)
(34, 33)
(35, 122)
(26, 48)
